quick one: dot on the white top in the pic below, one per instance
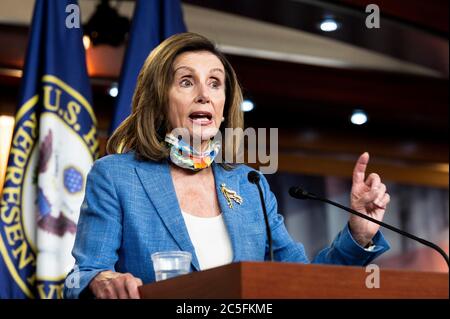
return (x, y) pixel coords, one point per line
(210, 239)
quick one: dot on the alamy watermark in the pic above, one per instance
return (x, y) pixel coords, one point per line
(373, 279)
(73, 17)
(373, 19)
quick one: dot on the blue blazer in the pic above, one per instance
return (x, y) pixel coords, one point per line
(131, 210)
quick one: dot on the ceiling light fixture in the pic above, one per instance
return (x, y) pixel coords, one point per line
(329, 25)
(247, 106)
(359, 117)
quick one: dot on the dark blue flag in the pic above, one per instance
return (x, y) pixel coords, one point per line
(53, 147)
(153, 21)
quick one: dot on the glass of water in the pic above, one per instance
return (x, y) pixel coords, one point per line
(169, 264)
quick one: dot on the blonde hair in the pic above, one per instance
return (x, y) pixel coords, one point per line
(144, 130)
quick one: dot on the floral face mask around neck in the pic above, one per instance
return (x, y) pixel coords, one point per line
(184, 155)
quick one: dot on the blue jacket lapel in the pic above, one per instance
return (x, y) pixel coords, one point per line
(157, 182)
(232, 216)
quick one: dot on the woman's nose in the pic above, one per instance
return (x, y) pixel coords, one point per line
(202, 95)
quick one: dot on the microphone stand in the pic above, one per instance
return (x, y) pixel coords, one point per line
(298, 193)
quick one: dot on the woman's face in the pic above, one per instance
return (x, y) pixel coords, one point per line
(197, 94)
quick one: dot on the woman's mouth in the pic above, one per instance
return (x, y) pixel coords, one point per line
(201, 118)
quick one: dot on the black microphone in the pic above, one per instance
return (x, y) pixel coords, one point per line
(253, 177)
(299, 193)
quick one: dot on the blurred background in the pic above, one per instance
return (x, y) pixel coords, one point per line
(332, 86)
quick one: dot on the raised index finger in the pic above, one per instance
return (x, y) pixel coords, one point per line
(359, 171)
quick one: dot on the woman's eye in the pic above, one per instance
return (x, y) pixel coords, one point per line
(185, 83)
(215, 84)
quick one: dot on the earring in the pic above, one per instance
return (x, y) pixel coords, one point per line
(223, 119)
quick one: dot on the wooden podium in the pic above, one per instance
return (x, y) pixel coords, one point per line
(274, 280)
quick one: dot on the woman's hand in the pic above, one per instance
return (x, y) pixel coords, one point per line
(369, 197)
(114, 285)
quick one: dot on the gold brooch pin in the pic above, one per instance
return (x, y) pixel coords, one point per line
(230, 195)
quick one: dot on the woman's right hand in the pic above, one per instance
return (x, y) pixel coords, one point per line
(115, 285)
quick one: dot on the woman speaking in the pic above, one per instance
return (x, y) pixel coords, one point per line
(160, 191)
